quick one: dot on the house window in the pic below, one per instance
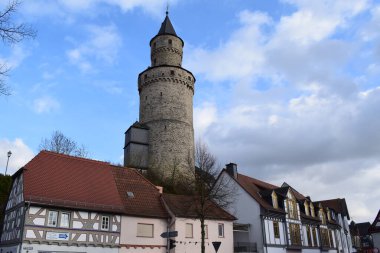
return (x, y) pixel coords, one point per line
(206, 231)
(325, 237)
(65, 220)
(331, 238)
(189, 230)
(105, 223)
(322, 216)
(274, 200)
(308, 231)
(221, 230)
(307, 211)
(328, 215)
(145, 230)
(314, 230)
(312, 210)
(276, 229)
(292, 209)
(52, 218)
(295, 235)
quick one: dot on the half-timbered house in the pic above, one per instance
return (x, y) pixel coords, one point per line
(273, 219)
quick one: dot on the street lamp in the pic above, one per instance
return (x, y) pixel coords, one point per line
(9, 155)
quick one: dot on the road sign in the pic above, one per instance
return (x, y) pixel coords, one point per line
(216, 245)
(169, 234)
(57, 236)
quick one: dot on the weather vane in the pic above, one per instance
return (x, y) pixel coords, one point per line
(167, 8)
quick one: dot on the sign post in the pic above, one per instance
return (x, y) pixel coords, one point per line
(170, 243)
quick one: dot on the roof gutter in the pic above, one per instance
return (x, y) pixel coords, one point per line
(172, 221)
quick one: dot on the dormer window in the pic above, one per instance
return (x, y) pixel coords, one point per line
(307, 211)
(322, 216)
(292, 207)
(274, 200)
(328, 215)
(312, 210)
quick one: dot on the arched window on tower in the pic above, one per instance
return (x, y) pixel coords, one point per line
(170, 42)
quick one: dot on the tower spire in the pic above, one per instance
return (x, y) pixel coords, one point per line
(167, 8)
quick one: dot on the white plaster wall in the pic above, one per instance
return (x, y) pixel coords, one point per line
(194, 244)
(56, 248)
(128, 235)
(376, 240)
(247, 210)
(275, 250)
(311, 251)
(332, 251)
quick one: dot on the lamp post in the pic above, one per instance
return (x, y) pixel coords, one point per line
(9, 155)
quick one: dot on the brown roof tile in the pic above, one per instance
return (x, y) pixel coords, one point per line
(186, 206)
(67, 181)
(253, 186)
(338, 205)
(146, 200)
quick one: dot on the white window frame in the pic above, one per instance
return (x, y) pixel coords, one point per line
(107, 218)
(220, 230)
(52, 220)
(187, 232)
(68, 219)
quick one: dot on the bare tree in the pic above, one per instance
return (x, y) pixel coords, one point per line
(11, 33)
(61, 144)
(209, 188)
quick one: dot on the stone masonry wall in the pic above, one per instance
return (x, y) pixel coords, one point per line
(166, 50)
(166, 106)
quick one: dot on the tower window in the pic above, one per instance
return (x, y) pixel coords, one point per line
(154, 45)
(161, 94)
(170, 42)
(145, 76)
(172, 72)
(162, 73)
(189, 78)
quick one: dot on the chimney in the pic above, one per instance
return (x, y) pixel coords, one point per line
(160, 189)
(231, 169)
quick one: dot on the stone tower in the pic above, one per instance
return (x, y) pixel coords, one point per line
(164, 136)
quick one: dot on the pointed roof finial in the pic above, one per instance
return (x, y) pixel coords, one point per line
(167, 8)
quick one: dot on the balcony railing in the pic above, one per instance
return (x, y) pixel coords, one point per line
(245, 247)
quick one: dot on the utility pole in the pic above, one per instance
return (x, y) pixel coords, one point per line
(9, 155)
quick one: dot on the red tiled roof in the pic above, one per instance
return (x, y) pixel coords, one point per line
(253, 186)
(338, 205)
(146, 200)
(375, 227)
(62, 180)
(67, 181)
(186, 207)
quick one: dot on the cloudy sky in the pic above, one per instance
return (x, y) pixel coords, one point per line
(289, 89)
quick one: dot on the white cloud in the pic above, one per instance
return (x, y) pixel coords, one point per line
(21, 154)
(101, 46)
(45, 104)
(204, 116)
(68, 9)
(313, 122)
